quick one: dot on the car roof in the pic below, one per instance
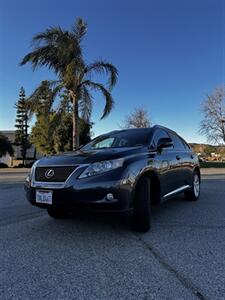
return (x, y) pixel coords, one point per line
(164, 128)
(130, 130)
(146, 129)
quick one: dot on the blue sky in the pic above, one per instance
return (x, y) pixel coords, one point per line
(170, 54)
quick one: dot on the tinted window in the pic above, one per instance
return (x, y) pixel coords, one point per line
(186, 145)
(178, 143)
(106, 143)
(159, 134)
(126, 138)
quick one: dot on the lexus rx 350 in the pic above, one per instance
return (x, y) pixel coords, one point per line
(118, 171)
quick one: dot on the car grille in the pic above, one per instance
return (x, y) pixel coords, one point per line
(59, 174)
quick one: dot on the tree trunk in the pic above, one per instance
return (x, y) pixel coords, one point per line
(25, 143)
(24, 157)
(223, 130)
(75, 124)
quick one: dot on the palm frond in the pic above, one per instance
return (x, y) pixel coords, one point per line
(43, 97)
(85, 104)
(103, 67)
(79, 29)
(54, 49)
(50, 35)
(109, 103)
(43, 56)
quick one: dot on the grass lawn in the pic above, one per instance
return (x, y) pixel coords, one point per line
(212, 164)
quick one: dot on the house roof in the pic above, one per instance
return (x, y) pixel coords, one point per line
(10, 134)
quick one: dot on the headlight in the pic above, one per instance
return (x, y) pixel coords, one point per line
(102, 167)
(28, 178)
(31, 174)
(33, 166)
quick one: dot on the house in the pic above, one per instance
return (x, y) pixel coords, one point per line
(16, 159)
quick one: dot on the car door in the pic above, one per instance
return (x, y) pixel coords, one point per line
(182, 155)
(164, 163)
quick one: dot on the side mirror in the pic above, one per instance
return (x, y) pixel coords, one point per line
(164, 143)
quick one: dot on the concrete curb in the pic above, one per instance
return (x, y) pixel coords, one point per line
(213, 171)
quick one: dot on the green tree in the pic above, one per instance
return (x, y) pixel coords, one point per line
(41, 101)
(5, 146)
(208, 149)
(22, 138)
(52, 131)
(61, 51)
(85, 131)
(63, 137)
(40, 104)
(42, 135)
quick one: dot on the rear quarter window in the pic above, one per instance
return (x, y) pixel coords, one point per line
(179, 144)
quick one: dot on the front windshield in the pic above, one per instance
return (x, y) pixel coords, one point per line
(126, 138)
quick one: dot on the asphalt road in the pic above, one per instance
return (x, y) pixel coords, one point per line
(94, 256)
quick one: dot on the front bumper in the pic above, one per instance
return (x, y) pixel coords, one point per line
(87, 193)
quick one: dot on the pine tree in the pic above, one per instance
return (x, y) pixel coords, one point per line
(21, 138)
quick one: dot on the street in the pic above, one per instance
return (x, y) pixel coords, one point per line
(96, 256)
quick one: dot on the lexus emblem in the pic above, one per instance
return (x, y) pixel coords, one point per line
(49, 173)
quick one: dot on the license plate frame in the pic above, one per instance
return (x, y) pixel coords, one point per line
(44, 196)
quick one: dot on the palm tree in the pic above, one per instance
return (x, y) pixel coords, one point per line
(61, 51)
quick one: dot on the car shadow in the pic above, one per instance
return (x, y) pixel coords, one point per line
(115, 220)
(119, 222)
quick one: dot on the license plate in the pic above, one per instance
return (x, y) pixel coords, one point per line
(44, 196)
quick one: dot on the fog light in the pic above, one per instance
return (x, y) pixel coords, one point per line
(109, 197)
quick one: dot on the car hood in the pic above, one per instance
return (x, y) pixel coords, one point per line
(86, 157)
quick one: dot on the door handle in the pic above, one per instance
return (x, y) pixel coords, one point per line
(177, 157)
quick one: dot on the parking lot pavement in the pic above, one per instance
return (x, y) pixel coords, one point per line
(94, 256)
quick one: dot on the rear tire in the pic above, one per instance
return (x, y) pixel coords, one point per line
(142, 206)
(56, 213)
(194, 193)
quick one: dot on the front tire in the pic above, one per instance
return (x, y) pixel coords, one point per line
(142, 206)
(56, 213)
(194, 193)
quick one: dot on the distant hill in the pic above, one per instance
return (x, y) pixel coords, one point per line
(207, 148)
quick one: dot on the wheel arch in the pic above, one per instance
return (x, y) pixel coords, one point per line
(197, 169)
(154, 186)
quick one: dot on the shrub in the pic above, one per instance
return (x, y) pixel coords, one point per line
(2, 165)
